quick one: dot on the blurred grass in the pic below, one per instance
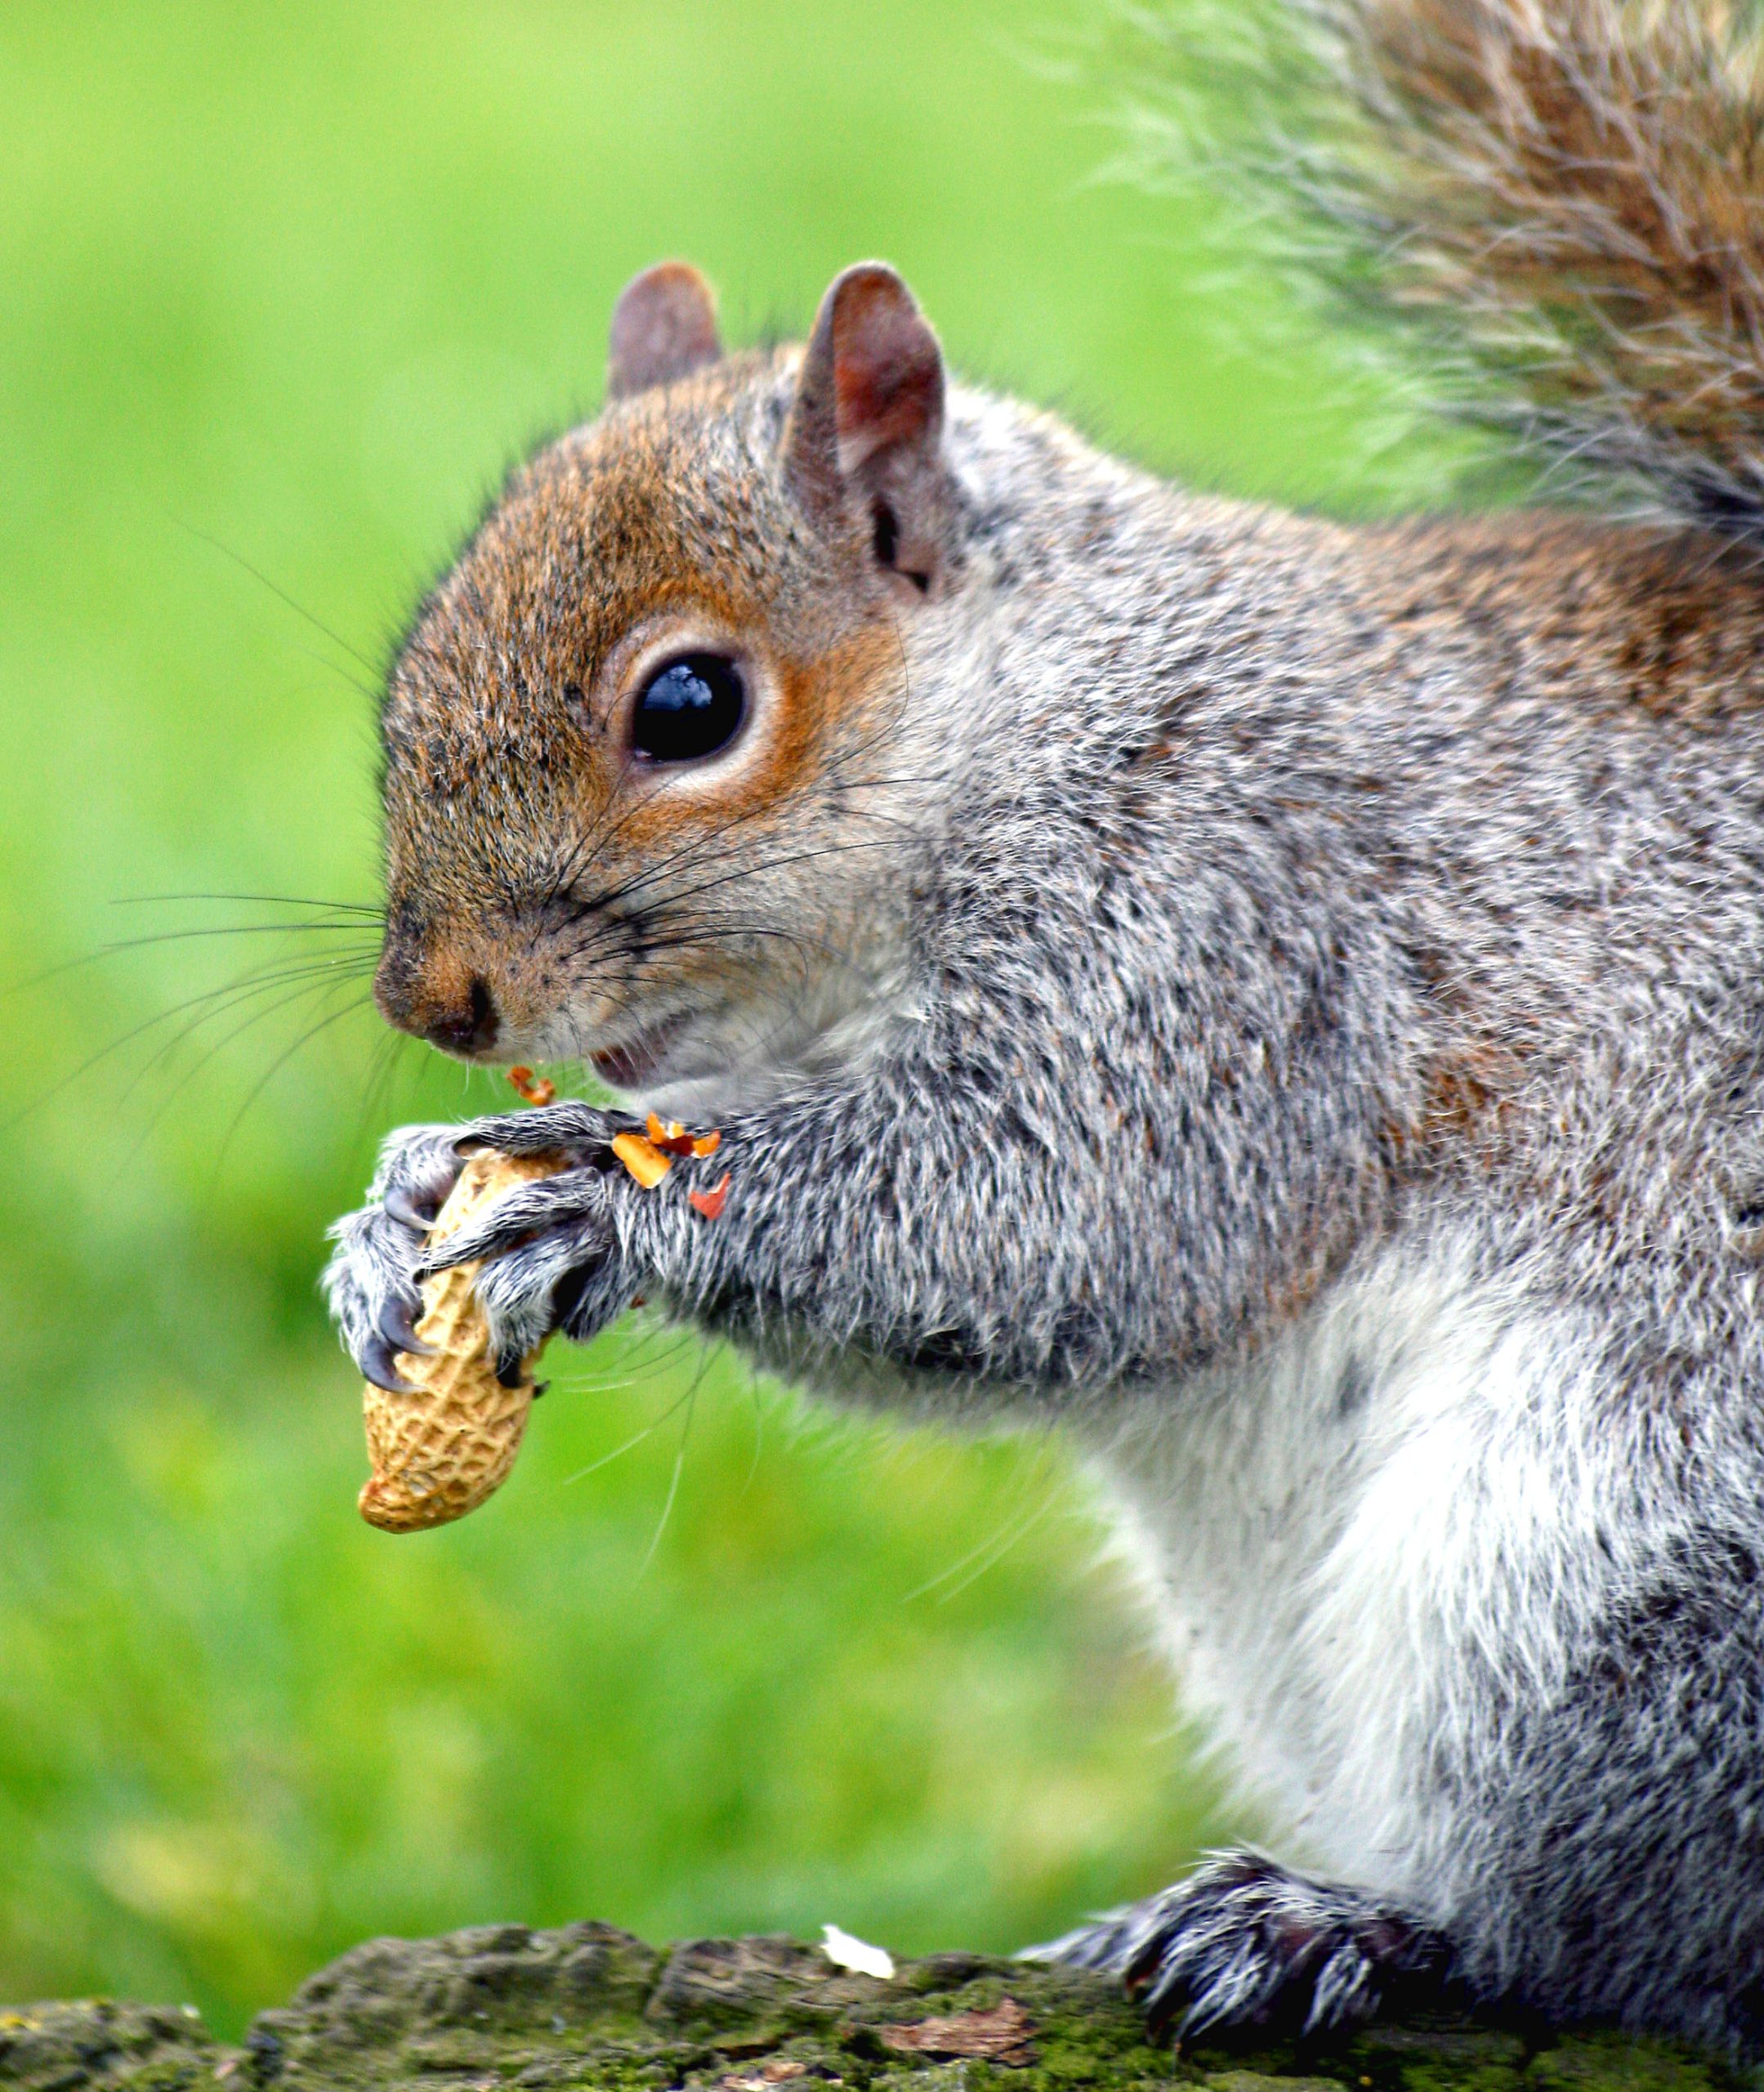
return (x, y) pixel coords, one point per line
(290, 286)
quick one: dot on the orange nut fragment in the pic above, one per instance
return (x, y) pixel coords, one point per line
(710, 1203)
(672, 1138)
(642, 1158)
(534, 1090)
(439, 1451)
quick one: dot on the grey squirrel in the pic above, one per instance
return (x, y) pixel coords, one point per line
(1285, 1000)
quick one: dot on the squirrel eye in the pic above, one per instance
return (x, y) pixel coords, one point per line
(688, 709)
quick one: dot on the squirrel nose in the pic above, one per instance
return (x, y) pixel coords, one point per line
(427, 985)
(470, 1027)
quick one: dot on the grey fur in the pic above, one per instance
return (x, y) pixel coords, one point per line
(1306, 1037)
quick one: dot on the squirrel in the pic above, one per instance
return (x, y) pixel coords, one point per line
(1282, 999)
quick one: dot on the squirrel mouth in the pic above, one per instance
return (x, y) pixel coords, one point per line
(636, 1062)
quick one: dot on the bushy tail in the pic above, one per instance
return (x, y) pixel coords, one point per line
(1570, 195)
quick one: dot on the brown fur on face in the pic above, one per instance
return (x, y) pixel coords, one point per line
(528, 848)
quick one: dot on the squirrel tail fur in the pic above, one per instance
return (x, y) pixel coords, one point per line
(1570, 194)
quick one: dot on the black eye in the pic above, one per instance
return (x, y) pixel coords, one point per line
(689, 710)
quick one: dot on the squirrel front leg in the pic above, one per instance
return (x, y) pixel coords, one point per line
(1002, 1201)
(876, 1223)
(873, 1220)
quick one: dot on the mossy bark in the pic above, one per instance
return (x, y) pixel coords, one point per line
(590, 2006)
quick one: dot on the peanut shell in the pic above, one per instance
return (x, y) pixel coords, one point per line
(439, 1452)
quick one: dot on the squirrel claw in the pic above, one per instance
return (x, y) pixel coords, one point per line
(396, 1322)
(378, 1363)
(402, 1207)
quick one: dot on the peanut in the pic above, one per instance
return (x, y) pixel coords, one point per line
(439, 1452)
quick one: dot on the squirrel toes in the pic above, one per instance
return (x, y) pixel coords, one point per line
(1284, 1000)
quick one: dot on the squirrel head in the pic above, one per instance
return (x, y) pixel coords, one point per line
(642, 746)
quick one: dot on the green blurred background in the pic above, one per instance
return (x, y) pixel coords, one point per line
(285, 290)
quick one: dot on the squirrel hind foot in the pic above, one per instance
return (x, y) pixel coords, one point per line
(1241, 1943)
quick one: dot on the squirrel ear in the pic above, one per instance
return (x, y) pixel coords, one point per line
(867, 424)
(664, 327)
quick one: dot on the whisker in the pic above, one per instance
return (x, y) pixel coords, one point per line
(209, 1053)
(699, 843)
(379, 1082)
(769, 864)
(371, 691)
(690, 937)
(603, 913)
(979, 1561)
(267, 899)
(634, 1441)
(280, 1061)
(597, 838)
(256, 984)
(673, 1480)
(759, 1436)
(118, 946)
(226, 552)
(670, 933)
(310, 979)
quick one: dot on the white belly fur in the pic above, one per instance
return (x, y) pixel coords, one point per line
(1357, 1546)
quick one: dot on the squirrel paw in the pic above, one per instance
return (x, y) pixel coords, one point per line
(371, 1282)
(1242, 1942)
(580, 1133)
(551, 1249)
